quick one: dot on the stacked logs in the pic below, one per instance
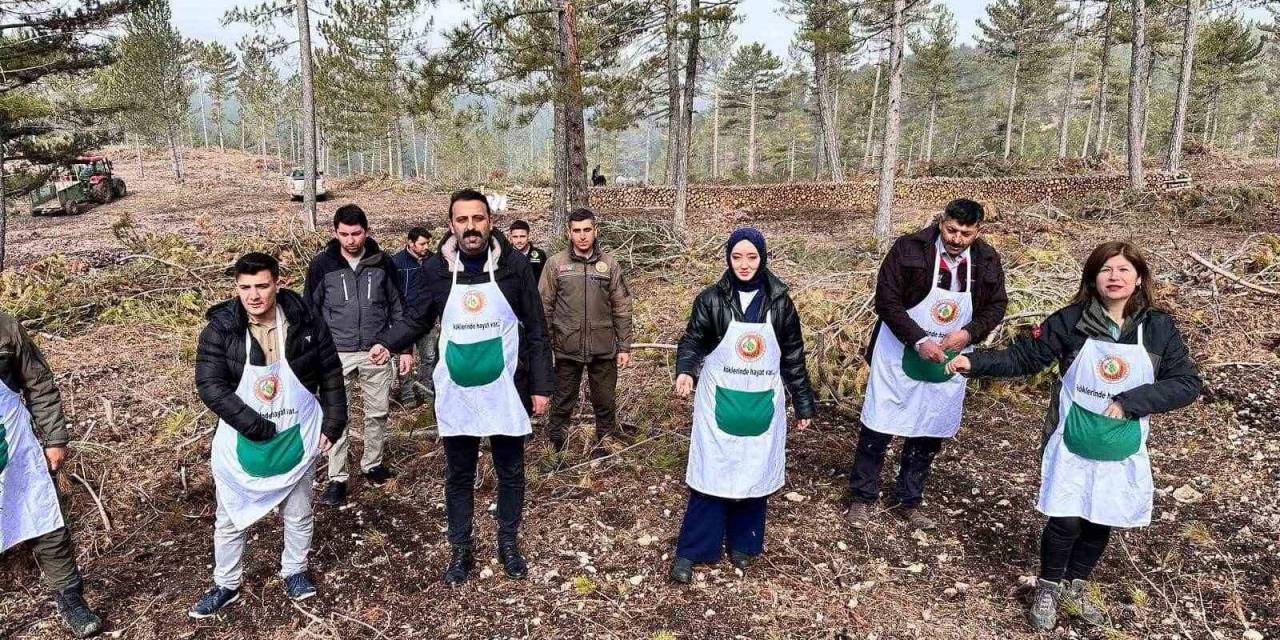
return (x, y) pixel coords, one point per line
(847, 195)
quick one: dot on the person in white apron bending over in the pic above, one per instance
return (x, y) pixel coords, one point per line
(1124, 361)
(33, 446)
(266, 366)
(494, 370)
(938, 291)
(744, 345)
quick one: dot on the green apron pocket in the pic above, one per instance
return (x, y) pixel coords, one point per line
(475, 364)
(273, 457)
(744, 413)
(917, 368)
(1095, 436)
(4, 448)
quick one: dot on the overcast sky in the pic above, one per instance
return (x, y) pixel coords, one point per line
(762, 22)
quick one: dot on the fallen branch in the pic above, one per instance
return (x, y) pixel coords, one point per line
(143, 256)
(1231, 276)
(653, 345)
(102, 511)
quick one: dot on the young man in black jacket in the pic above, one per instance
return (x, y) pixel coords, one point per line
(938, 291)
(353, 285)
(497, 369)
(267, 367)
(409, 262)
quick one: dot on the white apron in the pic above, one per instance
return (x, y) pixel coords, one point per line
(252, 478)
(906, 394)
(479, 351)
(1096, 467)
(739, 442)
(28, 501)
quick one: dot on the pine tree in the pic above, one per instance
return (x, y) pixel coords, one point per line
(826, 35)
(218, 65)
(1016, 30)
(935, 68)
(751, 86)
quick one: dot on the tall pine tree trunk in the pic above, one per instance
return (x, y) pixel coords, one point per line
(686, 118)
(871, 120)
(827, 110)
(305, 65)
(751, 134)
(715, 137)
(1068, 92)
(204, 121)
(889, 154)
(172, 137)
(672, 32)
(1177, 129)
(1137, 108)
(570, 82)
(933, 119)
(137, 152)
(1099, 124)
(1013, 98)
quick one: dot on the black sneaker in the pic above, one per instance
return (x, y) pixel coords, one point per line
(740, 560)
(213, 601)
(334, 495)
(299, 587)
(512, 562)
(459, 566)
(379, 474)
(682, 570)
(75, 614)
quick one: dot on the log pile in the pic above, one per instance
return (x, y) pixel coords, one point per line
(848, 195)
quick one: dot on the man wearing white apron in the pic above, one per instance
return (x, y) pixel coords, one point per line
(33, 446)
(267, 367)
(938, 291)
(494, 369)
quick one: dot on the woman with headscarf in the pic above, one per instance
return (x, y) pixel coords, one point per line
(744, 342)
(1123, 360)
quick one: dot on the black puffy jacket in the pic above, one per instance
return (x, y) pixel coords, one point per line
(716, 307)
(1063, 334)
(514, 276)
(308, 348)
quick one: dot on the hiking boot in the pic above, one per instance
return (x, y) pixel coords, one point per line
(1078, 602)
(75, 613)
(334, 495)
(916, 518)
(299, 587)
(740, 560)
(859, 514)
(213, 601)
(1043, 614)
(409, 398)
(512, 562)
(682, 570)
(379, 475)
(459, 566)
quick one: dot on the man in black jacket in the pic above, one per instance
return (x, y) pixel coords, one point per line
(353, 285)
(519, 234)
(938, 291)
(408, 262)
(483, 293)
(266, 316)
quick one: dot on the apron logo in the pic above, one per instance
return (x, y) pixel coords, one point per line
(602, 267)
(266, 388)
(1113, 369)
(751, 346)
(473, 302)
(944, 312)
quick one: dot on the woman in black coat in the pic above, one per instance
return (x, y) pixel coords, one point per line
(744, 343)
(1122, 361)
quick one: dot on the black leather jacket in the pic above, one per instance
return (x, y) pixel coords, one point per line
(715, 308)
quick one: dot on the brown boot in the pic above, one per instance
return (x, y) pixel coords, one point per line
(859, 514)
(916, 519)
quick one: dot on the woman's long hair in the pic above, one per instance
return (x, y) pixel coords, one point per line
(1143, 295)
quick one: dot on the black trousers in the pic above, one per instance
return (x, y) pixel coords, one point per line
(1070, 548)
(461, 454)
(913, 471)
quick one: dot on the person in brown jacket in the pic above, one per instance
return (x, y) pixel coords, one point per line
(588, 308)
(33, 446)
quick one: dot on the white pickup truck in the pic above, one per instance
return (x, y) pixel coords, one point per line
(298, 181)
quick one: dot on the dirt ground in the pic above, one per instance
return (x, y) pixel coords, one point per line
(599, 536)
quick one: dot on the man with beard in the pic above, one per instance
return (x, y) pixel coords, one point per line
(495, 368)
(352, 284)
(939, 290)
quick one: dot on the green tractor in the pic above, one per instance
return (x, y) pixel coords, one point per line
(74, 189)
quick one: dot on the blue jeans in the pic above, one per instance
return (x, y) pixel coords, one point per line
(711, 524)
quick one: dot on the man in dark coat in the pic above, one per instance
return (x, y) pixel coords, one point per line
(966, 302)
(477, 284)
(409, 262)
